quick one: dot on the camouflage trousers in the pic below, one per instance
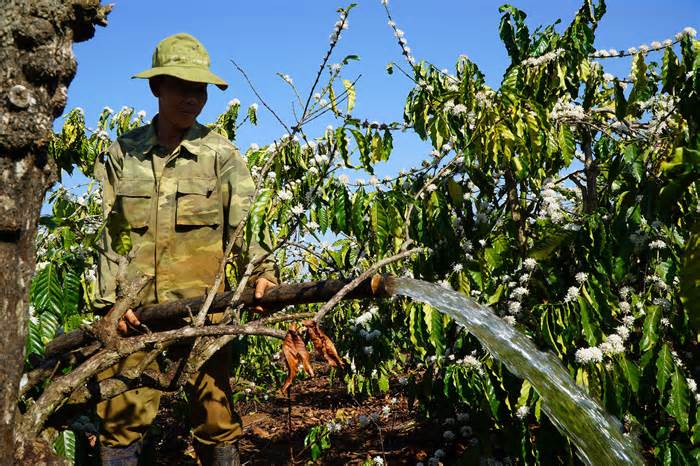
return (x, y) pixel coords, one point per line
(126, 418)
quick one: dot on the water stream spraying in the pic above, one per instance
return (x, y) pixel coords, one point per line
(597, 435)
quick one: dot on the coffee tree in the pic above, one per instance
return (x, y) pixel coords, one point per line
(566, 199)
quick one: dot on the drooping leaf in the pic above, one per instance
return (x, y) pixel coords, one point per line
(295, 353)
(678, 402)
(323, 344)
(664, 368)
(650, 332)
(350, 89)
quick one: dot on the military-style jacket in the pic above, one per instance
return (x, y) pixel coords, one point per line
(178, 208)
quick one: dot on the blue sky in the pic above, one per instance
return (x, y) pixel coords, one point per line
(266, 37)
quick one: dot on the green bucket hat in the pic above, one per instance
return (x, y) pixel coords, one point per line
(182, 56)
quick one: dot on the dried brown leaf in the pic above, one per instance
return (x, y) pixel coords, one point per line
(323, 344)
(294, 350)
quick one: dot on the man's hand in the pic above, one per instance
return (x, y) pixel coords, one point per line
(262, 285)
(129, 317)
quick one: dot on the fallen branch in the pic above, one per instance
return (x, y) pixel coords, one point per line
(282, 295)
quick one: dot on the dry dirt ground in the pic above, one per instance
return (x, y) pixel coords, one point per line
(366, 432)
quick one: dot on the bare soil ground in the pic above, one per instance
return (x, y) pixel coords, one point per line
(398, 437)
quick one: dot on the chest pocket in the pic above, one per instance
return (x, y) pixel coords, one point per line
(135, 197)
(198, 202)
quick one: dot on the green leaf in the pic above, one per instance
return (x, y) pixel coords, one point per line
(46, 291)
(323, 219)
(340, 209)
(456, 192)
(380, 222)
(349, 58)
(49, 323)
(669, 71)
(678, 402)
(415, 327)
(490, 394)
(664, 368)
(34, 340)
(253, 114)
(350, 89)
(650, 333)
(620, 101)
(65, 444)
(566, 143)
(436, 332)
(363, 147)
(257, 214)
(587, 323)
(550, 243)
(630, 371)
(72, 290)
(690, 279)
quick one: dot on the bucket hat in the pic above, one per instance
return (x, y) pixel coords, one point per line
(182, 56)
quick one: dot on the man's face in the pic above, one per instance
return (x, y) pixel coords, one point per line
(180, 101)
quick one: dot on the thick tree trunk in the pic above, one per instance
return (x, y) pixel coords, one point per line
(37, 64)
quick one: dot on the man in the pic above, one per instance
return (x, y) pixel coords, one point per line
(174, 192)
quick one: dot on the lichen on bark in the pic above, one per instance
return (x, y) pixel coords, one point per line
(36, 39)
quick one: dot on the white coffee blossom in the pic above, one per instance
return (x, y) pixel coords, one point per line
(589, 355)
(333, 427)
(624, 307)
(298, 209)
(519, 292)
(378, 461)
(612, 345)
(510, 320)
(530, 264)
(373, 180)
(628, 320)
(234, 102)
(623, 331)
(514, 307)
(522, 412)
(457, 268)
(581, 277)
(658, 244)
(472, 363)
(571, 294)
(430, 188)
(343, 178)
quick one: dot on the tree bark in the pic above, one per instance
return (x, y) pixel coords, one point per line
(36, 38)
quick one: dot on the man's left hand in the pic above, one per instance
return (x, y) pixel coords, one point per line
(261, 286)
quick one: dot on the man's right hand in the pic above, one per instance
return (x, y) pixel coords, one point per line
(129, 317)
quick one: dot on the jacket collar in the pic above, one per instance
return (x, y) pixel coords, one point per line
(191, 140)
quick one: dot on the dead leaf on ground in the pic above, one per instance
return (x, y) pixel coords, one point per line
(323, 343)
(294, 350)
